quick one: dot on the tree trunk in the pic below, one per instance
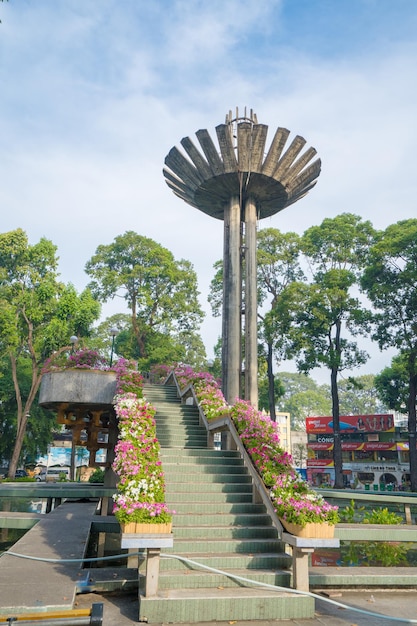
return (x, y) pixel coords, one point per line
(412, 429)
(22, 413)
(337, 446)
(271, 384)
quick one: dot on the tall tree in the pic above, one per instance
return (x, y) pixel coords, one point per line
(40, 423)
(38, 314)
(278, 266)
(160, 292)
(390, 283)
(329, 312)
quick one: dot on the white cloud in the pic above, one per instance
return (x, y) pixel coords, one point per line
(94, 96)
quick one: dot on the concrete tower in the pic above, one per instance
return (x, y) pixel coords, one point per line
(240, 183)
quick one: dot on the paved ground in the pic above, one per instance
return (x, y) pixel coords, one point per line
(122, 610)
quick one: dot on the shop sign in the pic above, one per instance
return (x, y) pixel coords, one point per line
(351, 424)
(320, 463)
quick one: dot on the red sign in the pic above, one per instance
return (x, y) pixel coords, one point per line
(351, 424)
(320, 463)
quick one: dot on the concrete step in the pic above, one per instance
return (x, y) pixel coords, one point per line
(175, 498)
(188, 605)
(225, 532)
(209, 487)
(234, 520)
(197, 579)
(218, 507)
(217, 526)
(226, 562)
(220, 545)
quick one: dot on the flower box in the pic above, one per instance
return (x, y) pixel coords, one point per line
(322, 530)
(146, 529)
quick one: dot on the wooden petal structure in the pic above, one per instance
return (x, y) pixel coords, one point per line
(240, 182)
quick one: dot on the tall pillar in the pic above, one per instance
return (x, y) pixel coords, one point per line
(232, 281)
(251, 306)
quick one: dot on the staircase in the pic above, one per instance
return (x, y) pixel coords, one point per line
(217, 525)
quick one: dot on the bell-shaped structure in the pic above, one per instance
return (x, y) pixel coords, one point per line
(241, 182)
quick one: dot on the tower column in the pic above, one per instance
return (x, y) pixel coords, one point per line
(232, 288)
(251, 305)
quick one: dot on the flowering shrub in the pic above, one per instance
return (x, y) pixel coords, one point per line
(141, 487)
(160, 372)
(129, 380)
(294, 500)
(82, 359)
(207, 390)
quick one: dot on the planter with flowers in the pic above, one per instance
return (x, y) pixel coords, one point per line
(139, 505)
(84, 377)
(300, 509)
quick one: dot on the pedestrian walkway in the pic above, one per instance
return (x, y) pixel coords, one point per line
(31, 584)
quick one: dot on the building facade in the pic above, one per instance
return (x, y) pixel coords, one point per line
(374, 451)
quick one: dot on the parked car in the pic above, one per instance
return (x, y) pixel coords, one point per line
(21, 473)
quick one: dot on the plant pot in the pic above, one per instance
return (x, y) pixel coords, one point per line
(146, 529)
(322, 530)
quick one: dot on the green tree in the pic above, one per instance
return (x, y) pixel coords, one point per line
(278, 266)
(329, 313)
(40, 423)
(38, 314)
(361, 396)
(390, 283)
(303, 397)
(160, 292)
(392, 384)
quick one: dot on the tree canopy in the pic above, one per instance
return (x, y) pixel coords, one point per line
(38, 314)
(389, 281)
(160, 292)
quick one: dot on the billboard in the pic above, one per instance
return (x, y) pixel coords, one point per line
(351, 424)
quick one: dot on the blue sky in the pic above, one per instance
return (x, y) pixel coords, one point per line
(94, 93)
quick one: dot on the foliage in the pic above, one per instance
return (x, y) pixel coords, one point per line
(360, 395)
(292, 497)
(323, 317)
(79, 359)
(302, 398)
(40, 424)
(297, 503)
(141, 488)
(97, 476)
(129, 380)
(384, 553)
(160, 292)
(37, 316)
(381, 516)
(390, 283)
(349, 514)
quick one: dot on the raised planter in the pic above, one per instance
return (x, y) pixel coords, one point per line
(77, 386)
(146, 529)
(310, 530)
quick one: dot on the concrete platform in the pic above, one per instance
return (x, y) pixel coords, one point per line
(28, 586)
(122, 610)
